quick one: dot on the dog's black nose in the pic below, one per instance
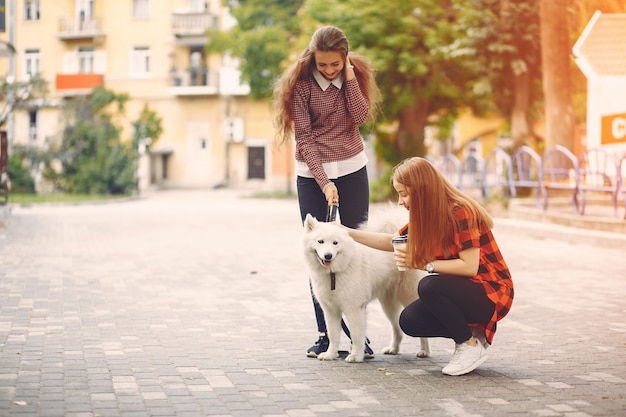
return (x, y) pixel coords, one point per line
(328, 256)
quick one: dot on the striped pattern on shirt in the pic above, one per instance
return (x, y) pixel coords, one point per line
(326, 124)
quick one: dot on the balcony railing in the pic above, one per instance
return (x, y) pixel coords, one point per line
(192, 23)
(79, 28)
(194, 81)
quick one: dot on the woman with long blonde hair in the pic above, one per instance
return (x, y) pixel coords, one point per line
(321, 100)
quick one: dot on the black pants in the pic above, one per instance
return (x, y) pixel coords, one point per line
(446, 305)
(353, 209)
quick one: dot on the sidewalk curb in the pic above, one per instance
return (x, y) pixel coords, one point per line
(548, 230)
(560, 212)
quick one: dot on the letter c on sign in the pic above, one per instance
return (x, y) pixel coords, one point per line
(619, 127)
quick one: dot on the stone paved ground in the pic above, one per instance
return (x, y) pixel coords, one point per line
(195, 303)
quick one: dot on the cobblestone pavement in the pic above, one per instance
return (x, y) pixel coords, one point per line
(196, 303)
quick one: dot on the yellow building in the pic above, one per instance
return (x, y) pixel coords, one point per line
(153, 50)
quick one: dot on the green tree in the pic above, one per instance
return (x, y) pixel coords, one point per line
(505, 35)
(426, 67)
(93, 158)
(147, 128)
(21, 179)
(13, 93)
(262, 39)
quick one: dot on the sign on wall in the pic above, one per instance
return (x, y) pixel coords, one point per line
(613, 129)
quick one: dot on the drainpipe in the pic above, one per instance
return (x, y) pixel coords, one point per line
(11, 76)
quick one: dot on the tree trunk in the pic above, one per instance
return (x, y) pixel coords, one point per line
(409, 139)
(519, 112)
(557, 85)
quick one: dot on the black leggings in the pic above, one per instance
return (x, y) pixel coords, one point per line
(353, 209)
(446, 305)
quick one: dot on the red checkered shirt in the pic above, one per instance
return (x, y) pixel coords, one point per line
(493, 272)
(326, 123)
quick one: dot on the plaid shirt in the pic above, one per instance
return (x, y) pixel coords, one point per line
(493, 272)
(326, 123)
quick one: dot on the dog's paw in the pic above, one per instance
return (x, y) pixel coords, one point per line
(390, 350)
(354, 358)
(423, 354)
(327, 356)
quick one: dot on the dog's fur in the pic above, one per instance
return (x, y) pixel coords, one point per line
(362, 274)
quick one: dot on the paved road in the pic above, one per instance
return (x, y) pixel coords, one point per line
(195, 303)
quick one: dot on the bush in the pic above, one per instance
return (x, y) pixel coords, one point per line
(21, 180)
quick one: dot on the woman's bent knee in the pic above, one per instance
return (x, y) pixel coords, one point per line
(427, 286)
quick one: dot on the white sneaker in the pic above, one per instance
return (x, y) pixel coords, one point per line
(465, 359)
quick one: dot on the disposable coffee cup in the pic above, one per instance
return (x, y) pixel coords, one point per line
(400, 241)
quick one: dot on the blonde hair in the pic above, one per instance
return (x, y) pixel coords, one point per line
(326, 38)
(431, 220)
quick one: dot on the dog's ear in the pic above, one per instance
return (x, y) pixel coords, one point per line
(309, 222)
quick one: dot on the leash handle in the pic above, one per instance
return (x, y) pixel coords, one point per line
(331, 215)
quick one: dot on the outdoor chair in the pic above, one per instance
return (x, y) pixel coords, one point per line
(450, 167)
(597, 172)
(499, 174)
(527, 175)
(559, 167)
(473, 174)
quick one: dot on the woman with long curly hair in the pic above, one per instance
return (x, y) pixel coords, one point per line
(322, 99)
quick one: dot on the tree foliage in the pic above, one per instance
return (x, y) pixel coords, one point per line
(13, 93)
(93, 158)
(505, 35)
(261, 39)
(147, 128)
(21, 179)
(435, 58)
(426, 66)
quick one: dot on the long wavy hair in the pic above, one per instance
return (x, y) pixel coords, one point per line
(325, 39)
(431, 220)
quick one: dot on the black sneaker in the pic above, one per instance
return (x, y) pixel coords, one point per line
(369, 353)
(320, 346)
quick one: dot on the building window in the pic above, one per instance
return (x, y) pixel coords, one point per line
(84, 9)
(199, 5)
(140, 61)
(141, 8)
(31, 63)
(31, 9)
(32, 125)
(85, 60)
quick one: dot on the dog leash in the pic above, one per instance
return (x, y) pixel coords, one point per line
(331, 216)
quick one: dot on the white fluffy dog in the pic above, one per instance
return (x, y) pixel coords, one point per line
(346, 276)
